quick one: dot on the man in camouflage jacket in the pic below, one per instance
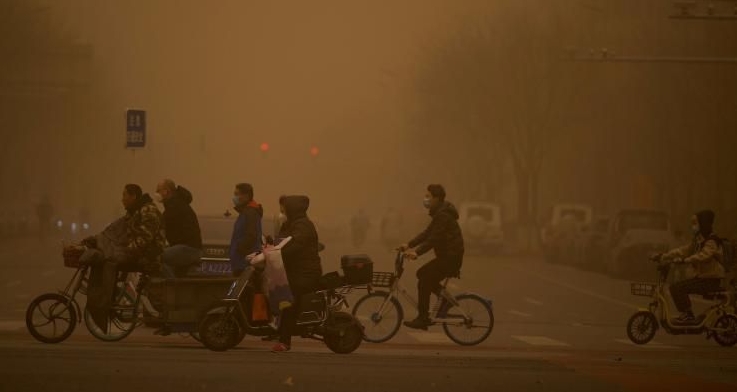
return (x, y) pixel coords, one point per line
(146, 240)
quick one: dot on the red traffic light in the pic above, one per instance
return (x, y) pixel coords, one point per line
(314, 151)
(264, 147)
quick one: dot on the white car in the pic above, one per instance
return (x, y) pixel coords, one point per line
(563, 229)
(482, 226)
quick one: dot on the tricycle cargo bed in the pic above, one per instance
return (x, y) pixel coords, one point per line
(186, 299)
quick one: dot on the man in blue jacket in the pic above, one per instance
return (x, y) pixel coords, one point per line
(246, 237)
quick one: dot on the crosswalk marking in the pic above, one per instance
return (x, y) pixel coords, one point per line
(533, 301)
(652, 344)
(13, 283)
(540, 341)
(518, 313)
(429, 337)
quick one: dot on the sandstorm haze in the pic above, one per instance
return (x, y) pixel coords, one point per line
(395, 94)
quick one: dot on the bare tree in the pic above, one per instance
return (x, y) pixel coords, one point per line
(499, 88)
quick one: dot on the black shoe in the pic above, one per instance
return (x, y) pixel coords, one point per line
(685, 318)
(270, 338)
(418, 323)
(163, 331)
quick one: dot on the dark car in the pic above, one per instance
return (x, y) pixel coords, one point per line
(634, 235)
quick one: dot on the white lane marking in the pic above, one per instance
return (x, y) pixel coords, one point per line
(541, 341)
(429, 337)
(48, 273)
(13, 283)
(578, 289)
(652, 344)
(533, 301)
(518, 313)
(577, 325)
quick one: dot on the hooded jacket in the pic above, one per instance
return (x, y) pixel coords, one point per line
(246, 237)
(443, 235)
(180, 221)
(704, 254)
(300, 255)
(146, 241)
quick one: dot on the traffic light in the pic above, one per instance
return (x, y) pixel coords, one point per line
(314, 151)
(264, 147)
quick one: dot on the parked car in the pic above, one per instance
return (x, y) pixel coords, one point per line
(482, 226)
(634, 235)
(564, 227)
(589, 246)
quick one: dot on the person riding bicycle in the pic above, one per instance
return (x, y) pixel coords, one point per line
(704, 257)
(444, 236)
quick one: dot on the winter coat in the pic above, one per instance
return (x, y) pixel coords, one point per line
(246, 238)
(300, 255)
(704, 256)
(180, 221)
(443, 235)
(146, 241)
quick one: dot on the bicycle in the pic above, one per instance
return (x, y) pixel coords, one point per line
(48, 310)
(458, 314)
(717, 321)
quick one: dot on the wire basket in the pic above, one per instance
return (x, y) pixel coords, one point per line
(71, 255)
(382, 279)
(643, 289)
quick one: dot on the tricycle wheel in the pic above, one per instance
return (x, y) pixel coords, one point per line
(726, 334)
(641, 327)
(344, 334)
(51, 318)
(220, 332)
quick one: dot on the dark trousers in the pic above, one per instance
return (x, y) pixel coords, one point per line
(429, 277)
(682, 289)
(289, 316)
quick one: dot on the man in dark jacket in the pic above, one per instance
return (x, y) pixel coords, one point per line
(246, 237)
(443, 234)
(301, 262)
(182, 229)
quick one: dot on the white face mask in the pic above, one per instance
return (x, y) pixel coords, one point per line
(158, 198)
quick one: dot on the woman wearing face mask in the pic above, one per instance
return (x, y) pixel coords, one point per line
(705, 256)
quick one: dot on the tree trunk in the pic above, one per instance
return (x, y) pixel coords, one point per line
(523, 194)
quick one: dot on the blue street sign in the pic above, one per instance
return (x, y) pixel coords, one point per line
(135, 132)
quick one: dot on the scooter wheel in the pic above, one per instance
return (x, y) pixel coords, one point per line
(641, 327)
(219, 332)
(350, 336)
(727, 334)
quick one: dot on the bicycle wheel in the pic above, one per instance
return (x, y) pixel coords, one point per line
(727, 336)
(641, 327)
(378, 327)
(51, 318)
(120, 324)
(475, 320)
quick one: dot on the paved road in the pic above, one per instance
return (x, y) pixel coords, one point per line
(556, 328)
